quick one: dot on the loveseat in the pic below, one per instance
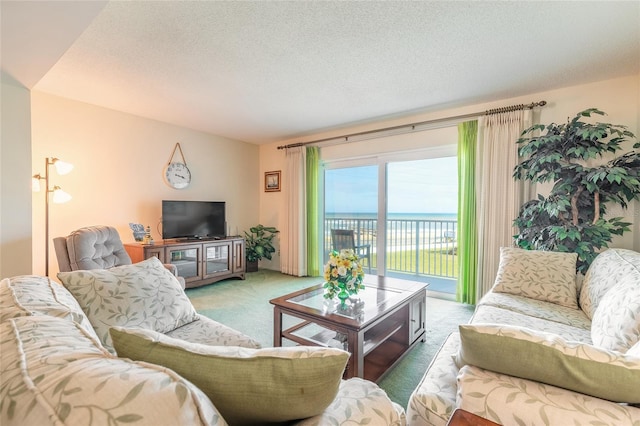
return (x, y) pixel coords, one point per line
(60, 366)
(542, 350)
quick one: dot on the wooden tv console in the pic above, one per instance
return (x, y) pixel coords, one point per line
(199, 262)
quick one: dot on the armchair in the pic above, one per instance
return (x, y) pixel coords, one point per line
(95, 247)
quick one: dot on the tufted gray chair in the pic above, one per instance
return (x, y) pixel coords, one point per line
(94, 247)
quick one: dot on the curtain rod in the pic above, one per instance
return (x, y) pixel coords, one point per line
(411, 127)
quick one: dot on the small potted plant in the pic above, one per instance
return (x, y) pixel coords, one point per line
(259, 244)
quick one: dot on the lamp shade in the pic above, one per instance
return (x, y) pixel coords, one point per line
(62, 166)
(59, 196)
(35, 183)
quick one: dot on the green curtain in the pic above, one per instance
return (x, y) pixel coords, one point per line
(313, 166)
(467, 224)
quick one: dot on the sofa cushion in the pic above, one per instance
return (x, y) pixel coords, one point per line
(509, 400)
(9, 305)
(542, 275)
(28, 295)
(53, 372)
(537, 309)
(486, 314)
(210, 332)
(606, 270)
(547, 358)
(144, 295)
(616, 322)
(373, 407)
(248, 386)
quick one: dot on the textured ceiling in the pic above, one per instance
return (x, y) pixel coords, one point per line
(270, 71)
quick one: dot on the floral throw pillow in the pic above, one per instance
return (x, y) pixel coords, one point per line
(607, 269)
(143, 295)
(616, 322)
(542, 275)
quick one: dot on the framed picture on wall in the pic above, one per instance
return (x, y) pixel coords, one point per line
(272, 181)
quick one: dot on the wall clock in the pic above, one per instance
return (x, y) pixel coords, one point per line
(176, 173)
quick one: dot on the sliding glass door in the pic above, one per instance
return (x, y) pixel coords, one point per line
(401, 213)
(351, 204)
(422, 220)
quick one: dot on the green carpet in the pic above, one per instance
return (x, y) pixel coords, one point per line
(244, 306)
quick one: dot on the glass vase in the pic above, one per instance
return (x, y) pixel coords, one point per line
(343, 295)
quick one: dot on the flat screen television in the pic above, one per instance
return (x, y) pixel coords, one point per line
(193, 219)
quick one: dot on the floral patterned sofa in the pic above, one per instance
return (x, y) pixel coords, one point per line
(58, 347)
(540, 349)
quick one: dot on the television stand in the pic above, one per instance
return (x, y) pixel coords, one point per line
(199, 262)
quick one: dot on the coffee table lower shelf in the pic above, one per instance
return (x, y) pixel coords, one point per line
(380, 351)
(383, 358)
(322, 338)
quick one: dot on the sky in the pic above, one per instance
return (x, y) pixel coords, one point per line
(420, 186)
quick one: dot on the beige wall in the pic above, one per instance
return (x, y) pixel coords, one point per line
(15, 180)
(619, 98)
(119, 161)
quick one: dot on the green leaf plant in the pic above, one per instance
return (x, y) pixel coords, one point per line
(259, 242)
(574, 157)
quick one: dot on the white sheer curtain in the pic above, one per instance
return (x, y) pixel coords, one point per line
(500, 196)
(293, 244)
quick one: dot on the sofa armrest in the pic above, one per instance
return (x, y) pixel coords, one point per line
(433, 401)
(54, 372)
(493, 396)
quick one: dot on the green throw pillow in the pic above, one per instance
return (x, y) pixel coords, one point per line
(547, 358)
(247, 386)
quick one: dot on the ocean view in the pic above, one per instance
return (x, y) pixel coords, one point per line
(402, 228)
(394, 216)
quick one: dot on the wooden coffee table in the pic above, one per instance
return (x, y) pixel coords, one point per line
(377, 326)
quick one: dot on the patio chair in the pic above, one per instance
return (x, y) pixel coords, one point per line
(345, 239)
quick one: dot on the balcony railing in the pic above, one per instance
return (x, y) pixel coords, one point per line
(415, 247)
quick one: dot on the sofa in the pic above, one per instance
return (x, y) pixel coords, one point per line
(125, 346)
(543, 346)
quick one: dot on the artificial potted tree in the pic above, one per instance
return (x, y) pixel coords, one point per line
(572, 217)
(259, 244)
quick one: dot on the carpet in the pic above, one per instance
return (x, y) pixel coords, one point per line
(244, 306)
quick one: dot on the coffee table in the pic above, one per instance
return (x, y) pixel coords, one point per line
(377, 326)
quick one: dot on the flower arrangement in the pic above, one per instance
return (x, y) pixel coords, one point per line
(343, 275)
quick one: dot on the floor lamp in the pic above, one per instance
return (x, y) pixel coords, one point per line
(59, 196)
